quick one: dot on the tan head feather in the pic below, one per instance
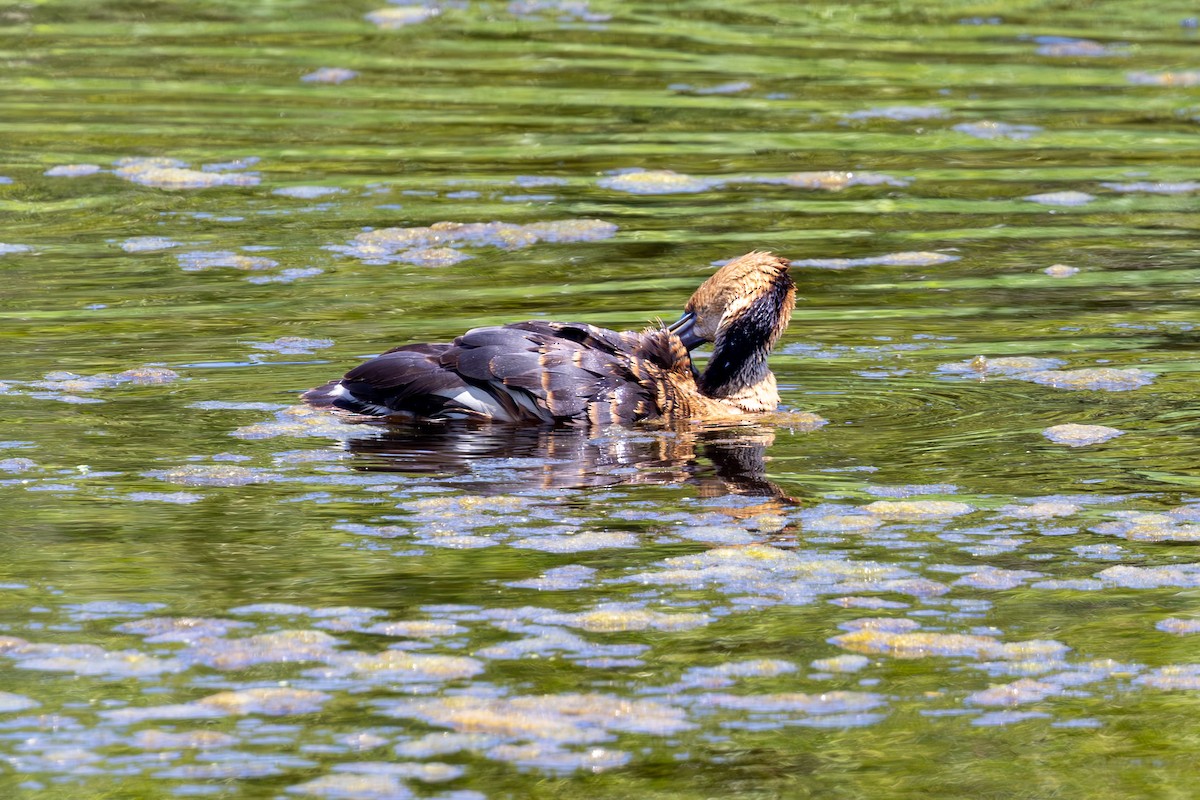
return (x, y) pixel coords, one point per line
(738, 285)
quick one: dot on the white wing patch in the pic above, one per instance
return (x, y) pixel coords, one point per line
(481, 402)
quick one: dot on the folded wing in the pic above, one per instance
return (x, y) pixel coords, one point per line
(538, 372)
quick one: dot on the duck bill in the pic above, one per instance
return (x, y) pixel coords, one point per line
(684, 329)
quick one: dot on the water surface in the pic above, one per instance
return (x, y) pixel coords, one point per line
(210, 591)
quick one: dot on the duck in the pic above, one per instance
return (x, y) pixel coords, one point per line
(569, 373)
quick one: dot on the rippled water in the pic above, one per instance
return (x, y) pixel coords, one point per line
(977, 579)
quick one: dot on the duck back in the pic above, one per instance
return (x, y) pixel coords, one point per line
(526, 372)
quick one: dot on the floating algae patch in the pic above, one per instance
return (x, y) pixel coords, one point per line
(427, 772)
(715, 534)
(1183, 78)
(278, 647)
(477, 507)
(724, 675)
(872, 603)
(1179, 627)
(841, 664)
(551, 758)
(388, 245)
(233, 765)
(549, 721)
(10, 702)
(1172, 677)
(1155, 187)
(170, 173)
(154, 739)
(917, 510)
(1138, 527)
(1097, 379)
(200, 260)
(416, 629)
(1070, 47)
(432, 257)
(1101, 552)
(1045, 509)
(889, 624)
(268, 701)
(307, 192)
(213, 475)
(997, 578)
(393, 18)
(333, 75)
(445, 743)
(354, 787)
(279, 609)
(1065, 198)
(577, 542)
(986, 129)
(912, 489)
(568, 578)
(179, 629)
(564, 11)
(1007, 366)
(293, 345)
(898, 113)
(732, 87)
(545, 641)
(62, 385)
(904, 259)
(781, 576)
(90, 660)
(915, 643)
(72, 170)
(998, 718)
(614, 617)
(287, 275)
(174, 498)
(832, 181)
(298, 421)
(109, 609)
(399, 666)
(147, 376)
(1076, 435)
(657, 181)
(148, 244)
(1182, 575)
(841, 523)
(779, 705)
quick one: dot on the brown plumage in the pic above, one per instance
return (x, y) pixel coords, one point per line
(573, 373)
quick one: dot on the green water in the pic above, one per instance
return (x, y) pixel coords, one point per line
(207, 591)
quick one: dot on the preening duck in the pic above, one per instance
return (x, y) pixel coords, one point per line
(572, 373)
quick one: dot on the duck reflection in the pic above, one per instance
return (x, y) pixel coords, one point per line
(496, 459)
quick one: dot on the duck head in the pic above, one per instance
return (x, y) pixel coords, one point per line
(742, 309)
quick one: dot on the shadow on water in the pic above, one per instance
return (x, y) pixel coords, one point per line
(497, 459)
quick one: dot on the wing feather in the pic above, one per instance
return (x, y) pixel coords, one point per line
(527, 371)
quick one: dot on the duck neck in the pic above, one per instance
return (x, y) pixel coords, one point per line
(740, 378)
(737, 372)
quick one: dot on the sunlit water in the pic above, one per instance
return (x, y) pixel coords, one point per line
(979, 578)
